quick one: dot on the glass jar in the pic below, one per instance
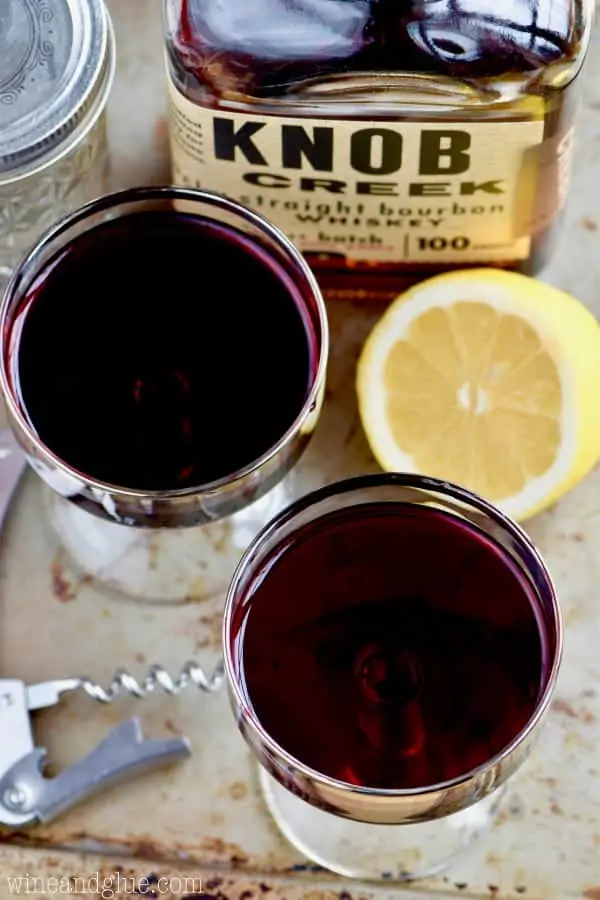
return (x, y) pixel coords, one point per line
(390, 139)
(55, 78)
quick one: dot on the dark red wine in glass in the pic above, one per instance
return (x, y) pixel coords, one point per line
(161, 350)
(391, 646)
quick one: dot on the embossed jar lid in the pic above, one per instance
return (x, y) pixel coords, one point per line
(56, 66)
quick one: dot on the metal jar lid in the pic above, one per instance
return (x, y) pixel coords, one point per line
(56, 66)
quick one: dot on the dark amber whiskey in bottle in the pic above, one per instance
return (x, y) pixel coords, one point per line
(390, 139)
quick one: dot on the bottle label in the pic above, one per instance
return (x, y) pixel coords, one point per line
(378, 191)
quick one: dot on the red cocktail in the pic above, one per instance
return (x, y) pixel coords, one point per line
(392, 644)
(163, 361)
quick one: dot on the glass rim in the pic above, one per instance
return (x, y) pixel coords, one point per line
(347, 486)
(141, 196)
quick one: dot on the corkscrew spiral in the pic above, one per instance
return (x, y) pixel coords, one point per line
(156, 679)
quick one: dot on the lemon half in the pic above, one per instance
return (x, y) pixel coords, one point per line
(489, 379)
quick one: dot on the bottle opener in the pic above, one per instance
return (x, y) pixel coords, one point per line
(26, 795)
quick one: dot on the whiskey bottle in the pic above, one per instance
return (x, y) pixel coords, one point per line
(390, 139)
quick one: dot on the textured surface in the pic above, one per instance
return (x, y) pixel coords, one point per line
(206, 816)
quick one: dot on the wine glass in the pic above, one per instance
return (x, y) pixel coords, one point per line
(391, 646)
(98, 353)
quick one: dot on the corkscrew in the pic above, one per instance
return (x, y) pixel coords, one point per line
(27, 796)
(157, 679)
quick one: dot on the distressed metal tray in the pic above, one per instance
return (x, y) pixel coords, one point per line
(203, 821)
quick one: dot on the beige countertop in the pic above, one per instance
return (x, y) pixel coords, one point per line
(204, 819)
